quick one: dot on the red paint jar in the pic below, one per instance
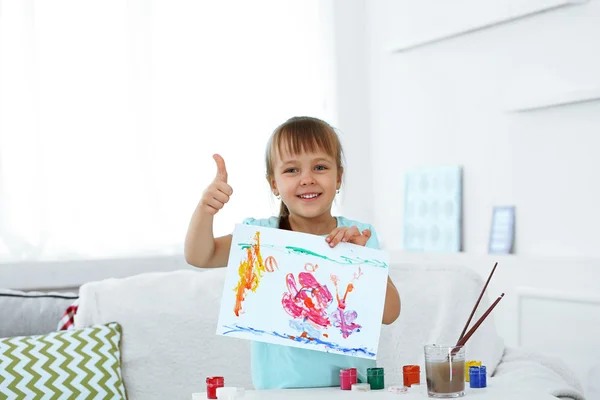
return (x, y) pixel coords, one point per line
(412, 375)
(348, 377)
(212, 383)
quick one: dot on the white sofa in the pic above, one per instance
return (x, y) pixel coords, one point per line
(169, 343)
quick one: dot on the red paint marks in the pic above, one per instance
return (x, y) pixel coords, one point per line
(251, 271)
(305, 336)
(310, 302)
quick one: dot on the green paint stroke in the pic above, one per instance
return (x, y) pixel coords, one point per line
(301, 251)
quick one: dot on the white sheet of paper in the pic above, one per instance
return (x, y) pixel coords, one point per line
(288, 288)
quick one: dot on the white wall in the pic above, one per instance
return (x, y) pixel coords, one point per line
(446, 103)
(484, 100)
(352, 104)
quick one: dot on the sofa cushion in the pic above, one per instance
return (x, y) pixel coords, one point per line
(31, 313)
(169, 324)
(82, 364)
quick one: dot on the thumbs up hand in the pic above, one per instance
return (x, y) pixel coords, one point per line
(218, 192)
(221, 170)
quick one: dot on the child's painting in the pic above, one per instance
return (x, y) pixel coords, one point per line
(292, 289)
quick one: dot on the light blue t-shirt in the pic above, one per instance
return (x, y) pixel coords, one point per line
(283, 367)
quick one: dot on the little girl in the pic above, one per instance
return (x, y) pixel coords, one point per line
(304, 170)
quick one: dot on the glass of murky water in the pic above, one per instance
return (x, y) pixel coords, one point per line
(445, 371)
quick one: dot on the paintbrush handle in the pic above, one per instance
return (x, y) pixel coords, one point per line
(463, 341)
(477, 303)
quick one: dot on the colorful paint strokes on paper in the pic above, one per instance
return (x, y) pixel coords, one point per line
(345, 259)
(251, 271)
(309, 302)
(354, 351)
(292, 289)
(344, 319)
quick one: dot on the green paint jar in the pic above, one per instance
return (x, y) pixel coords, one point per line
(375, 378)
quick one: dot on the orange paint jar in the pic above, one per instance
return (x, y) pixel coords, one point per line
(412, 375)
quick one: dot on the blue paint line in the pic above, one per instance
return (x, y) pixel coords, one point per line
(333, 346)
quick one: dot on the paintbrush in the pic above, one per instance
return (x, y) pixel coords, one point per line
(463, 341)
(477, 304)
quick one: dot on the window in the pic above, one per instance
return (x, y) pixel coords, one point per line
(110, 113)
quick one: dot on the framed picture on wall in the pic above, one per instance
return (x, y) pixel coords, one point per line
(433, 209)
(502, 233)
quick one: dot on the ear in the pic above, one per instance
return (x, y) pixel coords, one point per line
(273, 185)
(339, 177)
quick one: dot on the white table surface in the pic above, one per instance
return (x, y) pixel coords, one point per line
(415, 392)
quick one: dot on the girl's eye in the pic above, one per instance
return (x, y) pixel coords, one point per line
(320, 168)
(289, 170)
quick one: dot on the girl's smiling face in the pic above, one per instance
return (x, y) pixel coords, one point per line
(307, 182)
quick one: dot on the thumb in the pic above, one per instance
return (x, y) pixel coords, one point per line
(367, 233)
(221, 170)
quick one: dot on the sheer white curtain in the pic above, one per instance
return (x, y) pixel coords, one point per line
(111, 110)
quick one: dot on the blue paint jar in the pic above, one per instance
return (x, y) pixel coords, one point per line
(477, 377)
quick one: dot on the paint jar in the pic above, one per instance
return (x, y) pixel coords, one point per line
(348, 377)
(212, 383)
(472, 363)
(445, 371)
(375, 378)
(411, 375)
(478, 377)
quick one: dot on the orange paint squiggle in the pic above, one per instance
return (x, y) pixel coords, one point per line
(341, 318)
(271, 264)
(251, 271)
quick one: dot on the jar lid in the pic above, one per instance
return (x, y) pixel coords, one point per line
(474, 369)
(375, 371)
(411, 368)
(348, 372)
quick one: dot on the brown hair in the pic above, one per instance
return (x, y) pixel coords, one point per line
(302, 134)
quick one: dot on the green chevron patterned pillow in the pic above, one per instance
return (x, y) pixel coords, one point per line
(76, 364)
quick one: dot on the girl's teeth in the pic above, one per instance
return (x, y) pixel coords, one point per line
(308, 196)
